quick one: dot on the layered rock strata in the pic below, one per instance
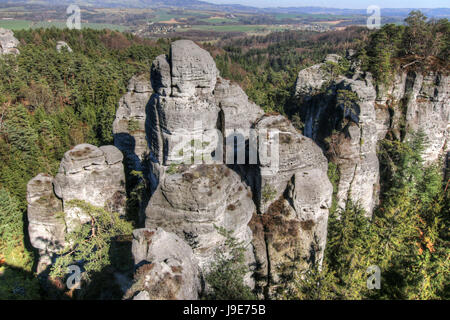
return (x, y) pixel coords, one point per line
(349, 115)
(129, 127)
(196, 115)
(87, 173)
(166, 267)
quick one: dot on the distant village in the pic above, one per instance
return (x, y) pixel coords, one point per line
(159, 28)
(152, 28)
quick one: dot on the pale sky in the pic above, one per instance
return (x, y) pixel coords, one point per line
(347, 4)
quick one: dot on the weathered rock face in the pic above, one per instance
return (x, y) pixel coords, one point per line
(425, 99)
(174, 119)
(192, 201)
(294, 197)
(184, 125)
(94, 175)
(295, 154)
(8, 43)
(45, 228)
(275, 201)
(237, 112)
(87, 173)
(129, 125)
(348, 116)
(161, 76)
(193, 71)
(166, 267)
(62, 44)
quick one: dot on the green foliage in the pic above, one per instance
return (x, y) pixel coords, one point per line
(16, 279)
(336, 69)
(417, 33)
(411, 45)
(50, 102)
(17, 284)
(297, 122)
(407, 237)
(334, 176)
(136, 193)
(268, 193)
(348, 100)
(267, 67)
(133, 125)
(314, 284)
(173, 168)
(226, 273)
(11, 223)
(91, 243)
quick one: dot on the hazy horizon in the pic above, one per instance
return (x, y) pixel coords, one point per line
(343, 4)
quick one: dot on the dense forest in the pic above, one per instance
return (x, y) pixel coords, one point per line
(51, 101)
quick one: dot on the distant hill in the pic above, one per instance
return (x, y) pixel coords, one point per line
(114, 3)
(391, 12)
(204, 5)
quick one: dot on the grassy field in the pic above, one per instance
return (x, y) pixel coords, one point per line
(15, 24)
(234, 28)
(62, 25)
(167, 15)
(218, 20)
(25, 24)
(281, 16)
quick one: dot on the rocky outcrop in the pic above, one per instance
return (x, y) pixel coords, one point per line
(294, 197)
(194, 200)
(348, 115)
(94, 175)
(166, 267)
(193, 70)
(289, 154)
(420, 101)
(195, 114)
(215, 162)
(129, 126)
(88, 173)
(238, 114)
(62, 44)
(46, 226)
(8, 43)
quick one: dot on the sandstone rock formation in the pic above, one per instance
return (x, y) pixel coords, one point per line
(45, 228)
(129, 125)
(87, 173)
(238, 114)
(295, 199)
(166, 267)
(425, 99)
(347, 116)
(8, 43)
(193, 70)
(190, 200)
(196, 199)
(273, 198)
